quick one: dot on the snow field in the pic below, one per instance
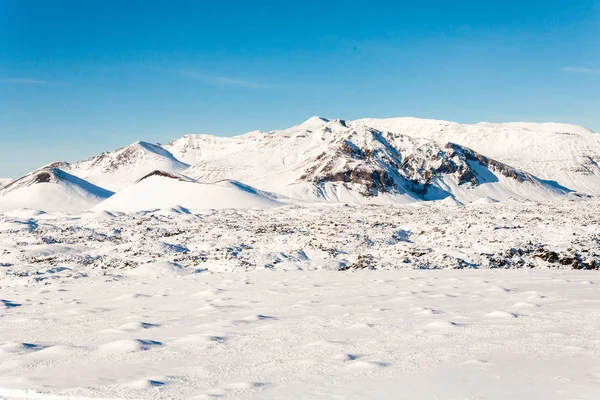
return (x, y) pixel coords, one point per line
(492, 334)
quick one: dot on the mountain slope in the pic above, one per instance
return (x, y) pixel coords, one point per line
(122, 167)
(567, 154)
(4, 182)
(51, 189)
(341, 161)
(161, 190)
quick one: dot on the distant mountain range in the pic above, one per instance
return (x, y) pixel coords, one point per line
(380, 161)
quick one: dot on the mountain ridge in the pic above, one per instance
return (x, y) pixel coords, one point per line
(394, 160)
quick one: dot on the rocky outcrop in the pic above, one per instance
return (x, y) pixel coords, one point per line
(380, 162)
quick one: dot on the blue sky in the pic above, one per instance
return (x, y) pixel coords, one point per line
(80, 77)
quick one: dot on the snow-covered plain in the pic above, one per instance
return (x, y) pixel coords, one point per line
(445, 334)
(312, 302)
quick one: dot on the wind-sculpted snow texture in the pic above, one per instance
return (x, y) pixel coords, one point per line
(495, 335)
(425, 236)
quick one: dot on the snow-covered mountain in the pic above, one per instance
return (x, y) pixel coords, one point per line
(566, 154)
(51, 189)
(395, 160)
(117, 169)
(162, 190)
(352, 162)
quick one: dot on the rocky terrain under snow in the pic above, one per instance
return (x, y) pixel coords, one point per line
(42, 247)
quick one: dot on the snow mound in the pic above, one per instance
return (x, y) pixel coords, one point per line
(101, 215)
(161, 192)
(51, 189)
(449, 202)
(158, 269)
(24, 213)
(484, 201)
(128, 346)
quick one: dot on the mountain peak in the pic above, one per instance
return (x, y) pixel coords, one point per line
(124, 166)
(51, 189)
(314, 122)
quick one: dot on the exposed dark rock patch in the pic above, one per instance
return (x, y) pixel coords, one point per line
(166, 175)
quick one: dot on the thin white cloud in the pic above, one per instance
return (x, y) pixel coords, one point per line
(23, 81)
(219, 80)
(582, 70)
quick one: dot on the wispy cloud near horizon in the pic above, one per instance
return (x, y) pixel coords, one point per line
(23, 81)
(582, 70)
(219, 80)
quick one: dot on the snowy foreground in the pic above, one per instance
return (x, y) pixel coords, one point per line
(446, 334)
(434, 301)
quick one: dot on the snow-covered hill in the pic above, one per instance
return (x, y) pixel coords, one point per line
(160, 190)
(51, 189)
(117, 169)
(341, 161)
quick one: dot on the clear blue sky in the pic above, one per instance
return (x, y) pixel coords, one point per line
(82, 76)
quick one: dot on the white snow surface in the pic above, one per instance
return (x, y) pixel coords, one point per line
(494, 335)
(117, 169)
(158, 192)
(62, 192)
(430, 235)
(567, 154)
(420, 301)
(4, 182)
(559, 153)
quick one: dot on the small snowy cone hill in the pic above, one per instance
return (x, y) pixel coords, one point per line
(51, 189)
(162, 191)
